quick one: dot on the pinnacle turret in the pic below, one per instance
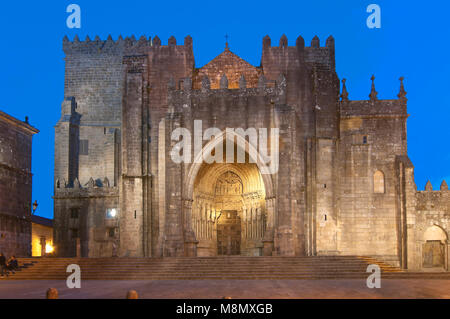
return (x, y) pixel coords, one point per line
(402, 94)
(344, 94)
(373, 93)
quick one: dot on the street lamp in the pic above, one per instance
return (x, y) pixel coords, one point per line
(35, 205)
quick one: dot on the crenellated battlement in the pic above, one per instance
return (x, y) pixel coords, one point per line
(323, 57)
(300, 43)
(434, 200)
(128, 45)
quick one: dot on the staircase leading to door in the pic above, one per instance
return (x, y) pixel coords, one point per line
(199, 268)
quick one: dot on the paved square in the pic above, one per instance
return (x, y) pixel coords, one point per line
(236, 289)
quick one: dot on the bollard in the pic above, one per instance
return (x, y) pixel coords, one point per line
(52, 293)
(132, 294)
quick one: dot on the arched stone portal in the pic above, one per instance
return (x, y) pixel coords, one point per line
(225, 192)
(217, 193)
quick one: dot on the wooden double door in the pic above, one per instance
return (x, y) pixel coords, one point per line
(229, 233)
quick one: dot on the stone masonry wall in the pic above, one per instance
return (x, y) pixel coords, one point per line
(15, 186)
(95, 81)
(370, 142)
(90, 224)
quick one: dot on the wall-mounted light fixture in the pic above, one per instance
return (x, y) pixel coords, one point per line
(216, 217)
(111, 213)
(35, 206)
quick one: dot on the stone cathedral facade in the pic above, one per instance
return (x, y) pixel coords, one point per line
(344, 184)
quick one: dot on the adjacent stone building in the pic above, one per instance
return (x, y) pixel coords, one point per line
(344, 184)
(41, 236)
(15, 185)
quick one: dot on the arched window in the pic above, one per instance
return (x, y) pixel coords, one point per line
(378, 182)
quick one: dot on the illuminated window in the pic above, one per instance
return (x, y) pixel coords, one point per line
(378, 182)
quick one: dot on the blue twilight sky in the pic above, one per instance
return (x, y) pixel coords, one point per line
(413, 42)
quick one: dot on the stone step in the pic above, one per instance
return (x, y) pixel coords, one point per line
(201, 259)
(187, 268)
(182, 266)
(172, 274)
(198, 261)
(202, 265)
(206, 267)
(234, 270)
(229, 268)
(226, 271)
(238, 277)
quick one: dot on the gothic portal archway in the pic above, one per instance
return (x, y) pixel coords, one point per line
(229, 214)
(232, 210)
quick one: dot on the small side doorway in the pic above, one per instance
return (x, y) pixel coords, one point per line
(433, 254)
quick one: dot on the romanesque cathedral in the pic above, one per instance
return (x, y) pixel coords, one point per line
(342, 183)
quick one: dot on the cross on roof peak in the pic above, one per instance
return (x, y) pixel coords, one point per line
(226, 42)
